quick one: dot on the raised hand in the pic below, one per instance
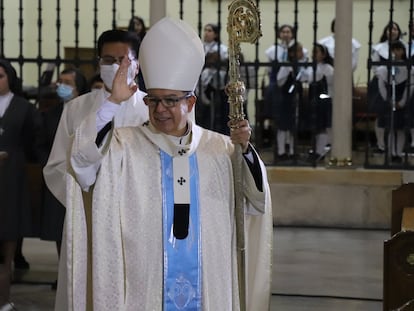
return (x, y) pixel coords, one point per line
(121, 91)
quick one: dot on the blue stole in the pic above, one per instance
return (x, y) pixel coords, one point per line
(182, 257)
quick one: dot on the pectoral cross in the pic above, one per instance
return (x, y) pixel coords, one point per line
(181, 181)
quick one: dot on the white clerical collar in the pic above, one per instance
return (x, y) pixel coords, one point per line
(290, 44)
(209, 46)
(182, 140)
(5, 102)
(171, 144)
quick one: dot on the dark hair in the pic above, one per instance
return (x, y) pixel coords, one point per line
(390, 24)
(292, 51)
(95, 78)
(333, 25)
(397, 44)
(328, 58)
(80, 80)
(15, 83)
(292, 29)
(131, 26)
(216, 30)
(117, 35)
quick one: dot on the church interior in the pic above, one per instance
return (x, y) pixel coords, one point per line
(343, 224)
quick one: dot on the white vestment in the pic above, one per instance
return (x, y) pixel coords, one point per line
(125, 268)
(131, 113)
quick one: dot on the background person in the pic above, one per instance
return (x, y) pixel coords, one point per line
(329, 42)
(380, 52)
(137, 25)
(96, 83)
(66, 89)
(385, 104)
(278, 53)
(212, 110)
(71, 84)
(19, 126)
(286, 110)
(321, 92)
(112, 46)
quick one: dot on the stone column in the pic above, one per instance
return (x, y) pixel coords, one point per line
(158, 10)
(341, 153)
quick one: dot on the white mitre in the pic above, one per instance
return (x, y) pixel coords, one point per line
(171, 56)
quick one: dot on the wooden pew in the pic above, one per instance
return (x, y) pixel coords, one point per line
(398, 290)
(401, 198)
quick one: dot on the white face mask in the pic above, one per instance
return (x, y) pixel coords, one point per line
(108, 73)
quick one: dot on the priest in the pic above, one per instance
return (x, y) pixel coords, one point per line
(150, 222)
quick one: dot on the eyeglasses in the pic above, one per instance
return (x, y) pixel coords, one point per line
(110, 60)
(167, 102)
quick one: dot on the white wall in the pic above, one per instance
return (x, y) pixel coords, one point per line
(326, 12)
(326, 9)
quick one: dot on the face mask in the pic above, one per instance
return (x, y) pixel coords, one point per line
(108, 73)
(65, 92)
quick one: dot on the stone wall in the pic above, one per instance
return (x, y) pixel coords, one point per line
(326, 197)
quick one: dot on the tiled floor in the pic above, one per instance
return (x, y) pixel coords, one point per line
(315, 269)
(327, 269)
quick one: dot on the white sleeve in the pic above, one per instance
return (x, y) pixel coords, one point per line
(355, 53)
(283, 75)
(86, 157)
(382, 74)
(255, 198)
(307, 74)
(55, 170)
(375, 57)
(106, 113)
(58, 165)
(270, 53)
(328, 72)
(224, 54)
(355, 56)
(322, 70)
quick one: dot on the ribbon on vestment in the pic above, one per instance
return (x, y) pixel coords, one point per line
(182, 254)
